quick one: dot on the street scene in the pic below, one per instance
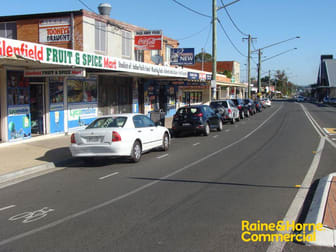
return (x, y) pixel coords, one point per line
(116, 137)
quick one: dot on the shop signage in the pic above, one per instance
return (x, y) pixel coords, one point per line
(193, 76)
(65, 57)
(182, 56)
(208, 77)
(55, 30)
(202, 76)
(55, 72)
(148, 40)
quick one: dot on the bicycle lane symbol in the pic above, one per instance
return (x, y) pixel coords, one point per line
(32, 216)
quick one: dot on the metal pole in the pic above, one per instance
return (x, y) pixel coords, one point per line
(269, 81)
(202, 59)
(259, 71)
(214, 49)
(249, 68)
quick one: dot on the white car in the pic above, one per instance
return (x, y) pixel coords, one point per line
(268, 102)
(127, 135)
(300, 99)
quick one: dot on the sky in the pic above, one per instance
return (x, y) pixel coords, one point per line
(268, 21)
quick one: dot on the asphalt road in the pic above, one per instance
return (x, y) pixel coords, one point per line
(193, 199)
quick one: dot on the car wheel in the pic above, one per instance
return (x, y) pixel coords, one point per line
(136, 152)
(248, 113)
(165, 142)
(220, 125)
(206, 130)
(243, 115)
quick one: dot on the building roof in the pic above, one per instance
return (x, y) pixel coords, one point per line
(221, 66)
(330, 65)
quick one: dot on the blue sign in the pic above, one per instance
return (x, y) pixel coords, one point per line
(182, 56)
(208, 76)
(193, 76)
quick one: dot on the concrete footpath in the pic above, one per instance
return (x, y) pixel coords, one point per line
(32, 155)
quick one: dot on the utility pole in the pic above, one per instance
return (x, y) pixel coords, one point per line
(249, 68)
(214, 49)
(259, 71)
(202, 59)
(269, 80)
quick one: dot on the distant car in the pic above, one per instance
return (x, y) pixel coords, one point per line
(268, 102)
(300, 99)
(126, 135)
(230, 112)
(251, 106)
(243, 109)
(196, 119)
(258, 106)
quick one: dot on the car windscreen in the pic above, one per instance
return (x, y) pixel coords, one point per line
(188, 111)
(108, 122)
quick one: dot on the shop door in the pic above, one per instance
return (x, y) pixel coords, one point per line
(36, 109)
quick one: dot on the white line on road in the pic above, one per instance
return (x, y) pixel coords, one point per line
(109, 175)
(215, 136)
(7, 207)
(165, 155)
(295, 208)
(195, 144)
(334, 139)
(227, 130)
(132, 192)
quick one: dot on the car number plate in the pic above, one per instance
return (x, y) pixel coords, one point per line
(93, 139)
(186, 124)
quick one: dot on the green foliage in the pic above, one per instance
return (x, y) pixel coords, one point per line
(207, 57)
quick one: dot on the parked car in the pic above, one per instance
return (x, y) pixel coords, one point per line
(229, 111)
(126, 135)
(258, 106)
(243, 109)
(268, 102)
(196, 119)
(251, 106)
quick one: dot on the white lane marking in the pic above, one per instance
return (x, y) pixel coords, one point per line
(109, 175)
(215, 136)
(7, 207)
(165, 155)
(334, 139)
(227, 130)
(130, 193)
(295, 208)
(32, 216)
(195, 144)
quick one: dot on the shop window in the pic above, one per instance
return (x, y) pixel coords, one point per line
(126, 44)
(82, 90)
(191, 97)
(18, 88)
(8, 30)
(100, 36)
(56, 90)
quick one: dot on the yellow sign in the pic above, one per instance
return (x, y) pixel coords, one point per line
(330, 130)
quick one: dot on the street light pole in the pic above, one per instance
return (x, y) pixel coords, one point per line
(214, 49)
(259, 71)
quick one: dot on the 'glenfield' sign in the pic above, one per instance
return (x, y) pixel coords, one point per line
(148, 40)
(65, 57)
(55, 30)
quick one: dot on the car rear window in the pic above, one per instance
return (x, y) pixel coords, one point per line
(187, 111)
(108, 122)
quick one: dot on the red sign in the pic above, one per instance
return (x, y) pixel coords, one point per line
(148, 42)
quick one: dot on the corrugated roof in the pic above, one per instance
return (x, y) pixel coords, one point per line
(331, 72)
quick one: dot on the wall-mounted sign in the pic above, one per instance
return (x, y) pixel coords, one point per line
(182, 56)
(65, 57)
(193, 76)
(55, 30)
(148, 40)
(55, 72)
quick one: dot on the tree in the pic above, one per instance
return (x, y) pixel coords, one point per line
(207, 57)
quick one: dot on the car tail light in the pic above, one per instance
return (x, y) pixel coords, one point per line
(239, 106)
(200, 115)
(175, 117)
(230, 111)
(116, 137)
(73, 139)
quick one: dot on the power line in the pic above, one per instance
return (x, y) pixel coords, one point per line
(234, 24)
(228, 37)
(194, 34)
(206, 42)
(192, 10)
(82, 2)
